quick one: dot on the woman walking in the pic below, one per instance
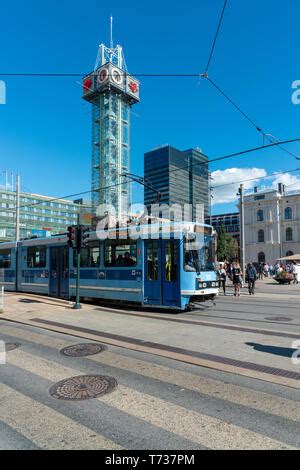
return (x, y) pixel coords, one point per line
(222, 277)
(237, 278)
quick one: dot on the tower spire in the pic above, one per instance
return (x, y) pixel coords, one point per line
(111, 32)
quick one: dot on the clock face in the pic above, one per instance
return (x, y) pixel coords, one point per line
(117, 76)
(103, 75)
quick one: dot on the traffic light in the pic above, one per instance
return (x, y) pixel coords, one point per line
(85, 235)
(71, 236)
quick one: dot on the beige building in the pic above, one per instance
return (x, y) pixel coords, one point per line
(272, 224)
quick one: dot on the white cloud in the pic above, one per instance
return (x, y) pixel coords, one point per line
(291, 182)
(227, 194)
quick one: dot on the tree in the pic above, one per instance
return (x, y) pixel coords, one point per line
(221, 244)
(231, 248)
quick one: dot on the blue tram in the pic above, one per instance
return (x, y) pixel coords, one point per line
(171, 269)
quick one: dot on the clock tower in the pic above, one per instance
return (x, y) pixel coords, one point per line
(112, 92)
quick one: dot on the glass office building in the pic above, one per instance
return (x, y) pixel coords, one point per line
(180, 176)
(39, 215)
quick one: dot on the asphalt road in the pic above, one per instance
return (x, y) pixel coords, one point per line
(159, 403)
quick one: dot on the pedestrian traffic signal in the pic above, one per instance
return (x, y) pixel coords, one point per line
(71, 236)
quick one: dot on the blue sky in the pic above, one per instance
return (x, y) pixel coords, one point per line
(45, 131)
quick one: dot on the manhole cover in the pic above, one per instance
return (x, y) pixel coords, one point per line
(11, 346)
(84, 349)
(83, 387)
(279, 318)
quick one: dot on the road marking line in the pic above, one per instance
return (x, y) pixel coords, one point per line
(34, 337)
(178, 354)
(205, 430)
(197, 427)
(235, 394)
(45, 427)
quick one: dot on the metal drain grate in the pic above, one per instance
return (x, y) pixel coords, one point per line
(279, 318)
(84, 349)
(83, 387)
(11, 346)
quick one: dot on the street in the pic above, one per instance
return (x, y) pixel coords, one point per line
(216, 378)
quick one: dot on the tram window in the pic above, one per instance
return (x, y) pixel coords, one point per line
(171, 261)
(90, 256)
(120, 253)
(152, 260)
(36, 257)
(5, 259)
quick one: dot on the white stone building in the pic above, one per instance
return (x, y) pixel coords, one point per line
(272, 224)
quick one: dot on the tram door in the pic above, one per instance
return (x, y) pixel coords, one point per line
(152, 279)
(170, 273)
(59, 272)
(161, 281)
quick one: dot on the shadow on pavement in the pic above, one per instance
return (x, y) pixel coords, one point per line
(277, 350)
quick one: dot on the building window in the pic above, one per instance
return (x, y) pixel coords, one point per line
(288, 213)
(90, 256)
(261, 236)
(289, 234)
(261, 257)
(289, 253)
(5, 259)
(260, 215)
(120, 253)
(36, 257)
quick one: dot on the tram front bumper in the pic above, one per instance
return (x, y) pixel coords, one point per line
(201, 292)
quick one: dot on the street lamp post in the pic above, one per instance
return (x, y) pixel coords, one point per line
(242, 229)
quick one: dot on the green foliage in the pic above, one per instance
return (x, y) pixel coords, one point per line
(231, 249)
(227, 247)
(221, 244)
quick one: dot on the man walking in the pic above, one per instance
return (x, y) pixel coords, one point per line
(251, 276)
(295, 273)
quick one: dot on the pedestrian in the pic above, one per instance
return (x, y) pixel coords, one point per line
(266, 270)
(237, 278)
(229, 270)
(222, 277)
(251, 275)
(260, 271)
(276, 268)
(271, 270)
(295, 273)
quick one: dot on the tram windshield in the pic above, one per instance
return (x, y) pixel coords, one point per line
(198, 253)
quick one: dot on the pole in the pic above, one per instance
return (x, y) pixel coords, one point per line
(242, 229)
(77, 305)
(209, 195)
(18, 209)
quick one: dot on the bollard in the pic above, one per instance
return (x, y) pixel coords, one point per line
(1, 299)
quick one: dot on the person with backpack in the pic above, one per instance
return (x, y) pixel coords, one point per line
(251, 276)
